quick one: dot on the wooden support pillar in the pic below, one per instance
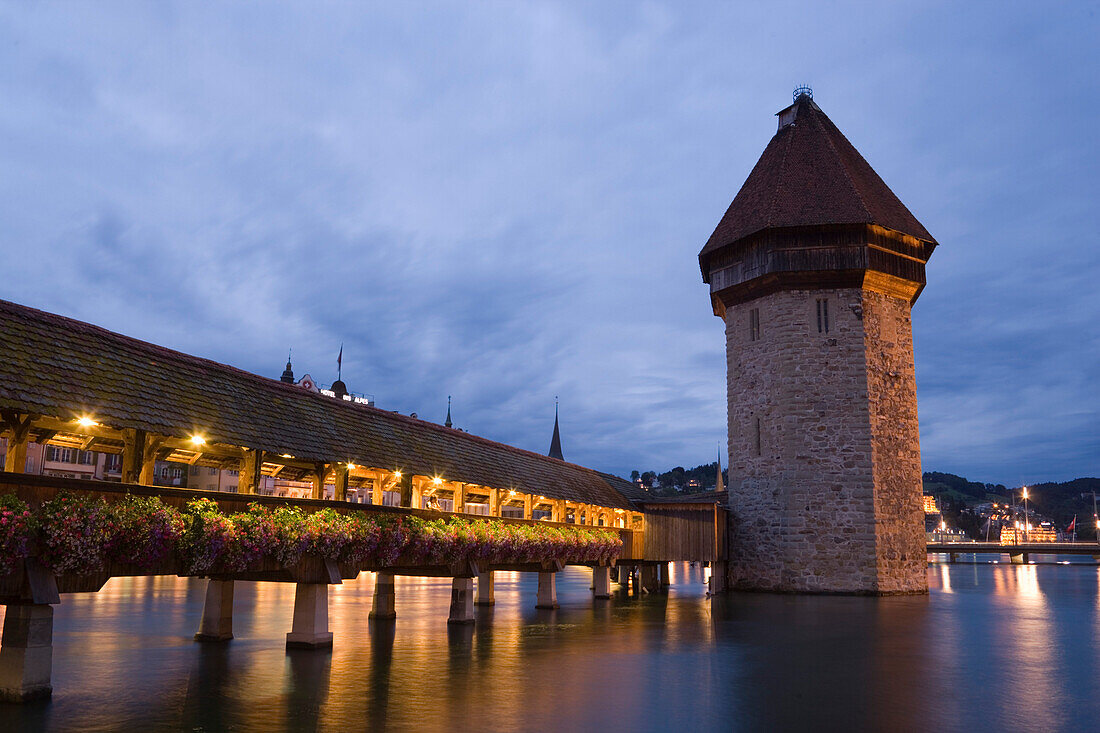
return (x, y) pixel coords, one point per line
(459, 497)
(406, 486)
(601, 581)
(376, 491)
(318, 476)
(494, 502)
(217, 612)
(558, 511)
(26, 653)
(150, 453)
(383, 607)
(18, 429)
(310, 628)
(528, 507)
(548, 591)
(625, 573)
(133, 454)
(650, 581)
(462, 601)
(417, 493)
(340, 481)
(248, 478)
(486, 590)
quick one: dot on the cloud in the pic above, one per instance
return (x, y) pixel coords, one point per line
(504, 202)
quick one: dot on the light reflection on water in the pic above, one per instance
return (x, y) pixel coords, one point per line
(993, 647)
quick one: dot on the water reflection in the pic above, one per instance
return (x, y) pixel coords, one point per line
(1003, 647)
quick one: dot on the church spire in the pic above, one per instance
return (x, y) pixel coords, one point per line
(288, 373)
(555, 442)
(448, 421)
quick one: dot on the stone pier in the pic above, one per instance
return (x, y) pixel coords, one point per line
(217, 612)
(548, 591)
(719, 577)
(26, 653)
(486, 589)
(462, 601)
(383, 607)
(310, 629)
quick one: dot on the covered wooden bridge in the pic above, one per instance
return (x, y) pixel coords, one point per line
(71, 384)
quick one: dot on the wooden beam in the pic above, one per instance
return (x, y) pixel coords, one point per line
(376, 492)
(87, 444)
(459, 497)
(248, 471)
(494, 502)
(18, 427)
(195, 458)
(528, 506)
(406, 484)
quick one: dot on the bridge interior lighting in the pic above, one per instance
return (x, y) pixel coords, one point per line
(352, 467)
(86, 422)
(437, 481)
(198, 440)
(397, 474)
(285, 455)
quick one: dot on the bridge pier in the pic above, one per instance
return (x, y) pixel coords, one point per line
(548, 591)
(601, 581)
(651, 582)
(310, 628)
(217, 612)
(486, 591)
(462, 601)
(383, 607)
(952, 557)
(718, 572)
(1019, 558)
(625, 573)
(26, 653)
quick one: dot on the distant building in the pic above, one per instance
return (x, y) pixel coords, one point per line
(930, 504)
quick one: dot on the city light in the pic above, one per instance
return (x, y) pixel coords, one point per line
(1025, 492)
(86, 422)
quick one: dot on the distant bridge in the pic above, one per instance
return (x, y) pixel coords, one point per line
(1018, 553)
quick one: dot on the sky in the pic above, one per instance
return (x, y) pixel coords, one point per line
(504, 202)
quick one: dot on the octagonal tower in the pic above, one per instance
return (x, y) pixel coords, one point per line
(814, 268)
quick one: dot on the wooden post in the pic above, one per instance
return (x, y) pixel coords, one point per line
(486, 591)
(18, 426)
(459, 497)
(340, 481)
(548, 591)
(417, 493)
(320, 473)
(310, 627)
(248, 478)
(406, 484)
(26, 652)
(601, 581)
(528, 506)
(383, 607)
(217, 612)
(462, 601)
(150, 452)
(133, 454)
(494, 502)
(557, 510)
(376, 492)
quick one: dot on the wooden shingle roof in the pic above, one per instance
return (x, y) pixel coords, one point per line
(810, 175)
(61, 368)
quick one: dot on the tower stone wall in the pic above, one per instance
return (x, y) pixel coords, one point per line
(824, 456)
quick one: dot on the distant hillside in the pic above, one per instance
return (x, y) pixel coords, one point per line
(680, 479)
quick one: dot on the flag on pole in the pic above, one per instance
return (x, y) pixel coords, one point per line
(1072, 525)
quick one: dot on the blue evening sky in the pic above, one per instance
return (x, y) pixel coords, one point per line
(504, 202)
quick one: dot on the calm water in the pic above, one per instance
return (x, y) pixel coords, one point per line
(993, 647)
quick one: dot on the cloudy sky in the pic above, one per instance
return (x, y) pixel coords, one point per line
(504, 202)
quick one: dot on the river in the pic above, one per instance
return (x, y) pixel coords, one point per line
(994, 647)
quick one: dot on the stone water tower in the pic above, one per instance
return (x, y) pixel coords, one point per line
(814, 269)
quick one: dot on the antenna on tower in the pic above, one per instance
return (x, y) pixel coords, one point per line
(803, 90)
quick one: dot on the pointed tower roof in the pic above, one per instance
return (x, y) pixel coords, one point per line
(447, 423)
(718, 484)
(288, 373)
(810, 175)
(555, 442)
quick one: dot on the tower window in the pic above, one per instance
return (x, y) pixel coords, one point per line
(754, 324)
(822, 315)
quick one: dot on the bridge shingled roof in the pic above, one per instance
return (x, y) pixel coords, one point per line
(62, 367)
(810, 175)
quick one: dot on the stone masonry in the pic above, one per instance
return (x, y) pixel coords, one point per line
(824, 453)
